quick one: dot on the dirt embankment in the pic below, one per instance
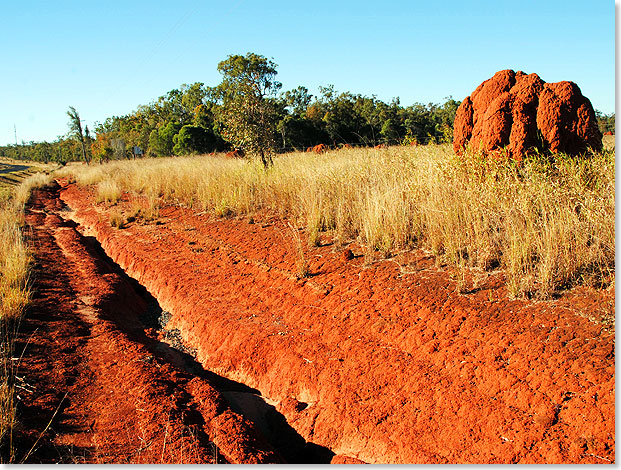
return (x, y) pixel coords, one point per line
(95, 385)
(384, 362)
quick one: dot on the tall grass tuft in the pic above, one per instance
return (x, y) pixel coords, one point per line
(108, 191)
(548, 224)
(14, 296)
(15, 261)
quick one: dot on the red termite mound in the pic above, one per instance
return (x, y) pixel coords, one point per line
(236, 153)
(521, 113)
(321, 148)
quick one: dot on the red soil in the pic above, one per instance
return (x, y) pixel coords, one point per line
(382, 362)
(99, 379)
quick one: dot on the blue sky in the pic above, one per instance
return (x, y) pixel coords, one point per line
(106, 58)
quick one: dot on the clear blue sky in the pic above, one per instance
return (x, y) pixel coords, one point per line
(106, 58)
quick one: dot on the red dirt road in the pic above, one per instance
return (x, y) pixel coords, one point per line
(382, 362)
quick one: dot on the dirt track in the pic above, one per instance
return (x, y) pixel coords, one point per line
(110, 389)
(384, 362)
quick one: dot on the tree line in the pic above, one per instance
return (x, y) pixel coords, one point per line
(605, 122)
(249, 111)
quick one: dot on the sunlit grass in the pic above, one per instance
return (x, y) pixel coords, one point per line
(108, 191)
(549, 226)
(14, 296)
(15, 262)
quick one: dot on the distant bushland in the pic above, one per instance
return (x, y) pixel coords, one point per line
(201, 119)
(192, 119)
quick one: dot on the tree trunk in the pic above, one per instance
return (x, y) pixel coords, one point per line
(266, 159)
(84, 152)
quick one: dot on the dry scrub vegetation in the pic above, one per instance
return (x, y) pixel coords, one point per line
(15, 261)
(548, 225)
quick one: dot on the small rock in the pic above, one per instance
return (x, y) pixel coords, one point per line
(290, 404)
(545, 416)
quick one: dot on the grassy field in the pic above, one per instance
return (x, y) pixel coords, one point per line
(15, 262)
(549, 226)
(12, 173)
(609, 142)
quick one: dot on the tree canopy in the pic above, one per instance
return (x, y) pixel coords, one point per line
(75, 131)
(248, 110)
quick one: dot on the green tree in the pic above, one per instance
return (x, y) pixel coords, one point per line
(297, 100)
(43, 152)
(161, 139)
(342, 120)
(606, 123)
(247, 110)
(300, 133)
(444, 116)
(194, 139)
(75, 130)
(101, 149)
(192, 96)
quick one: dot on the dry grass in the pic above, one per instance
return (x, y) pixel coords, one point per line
(301, 263)
(108, 191)
(116, 219)
(609, 142)
(14, 295)
(548, 225)
(15, 261)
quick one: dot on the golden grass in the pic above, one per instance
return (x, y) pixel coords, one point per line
(609, 142)
(15, 257)
(549, 226)
(14, 296)
(108, 191)
(22, 192)
(15, 261)
(116, 219)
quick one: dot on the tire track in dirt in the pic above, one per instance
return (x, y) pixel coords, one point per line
(383, 362)
(106, 388)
